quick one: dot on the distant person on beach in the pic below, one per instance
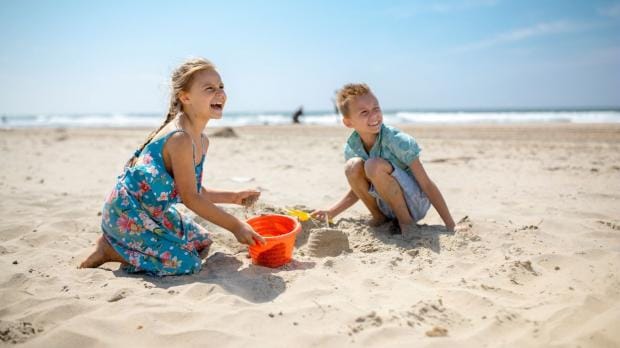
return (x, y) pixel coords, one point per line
(336, 112)
(142, 228)
(383, 167)
(299, 112)
(335, 102)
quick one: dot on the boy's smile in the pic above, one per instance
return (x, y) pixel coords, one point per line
(365, 115)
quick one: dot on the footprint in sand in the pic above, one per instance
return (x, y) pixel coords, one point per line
(18, 332)
(119, 295)
(526, 265)
(327, 242)
(364, 322)
(437, 331)
(610, 224)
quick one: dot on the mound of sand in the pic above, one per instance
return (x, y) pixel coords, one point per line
(327, 242)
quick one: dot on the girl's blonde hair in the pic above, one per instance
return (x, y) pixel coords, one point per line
(181, 80)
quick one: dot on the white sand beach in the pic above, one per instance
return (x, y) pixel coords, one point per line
(534, 262)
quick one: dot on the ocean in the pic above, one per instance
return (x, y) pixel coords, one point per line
(393, 117)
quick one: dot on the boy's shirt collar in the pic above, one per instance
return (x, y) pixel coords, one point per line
(356, 144)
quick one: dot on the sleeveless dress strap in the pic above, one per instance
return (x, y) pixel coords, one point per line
(193, 145)
(202, 142)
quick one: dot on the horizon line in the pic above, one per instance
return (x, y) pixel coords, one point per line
(330, 111)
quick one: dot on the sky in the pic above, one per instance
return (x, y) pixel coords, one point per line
(116, 56)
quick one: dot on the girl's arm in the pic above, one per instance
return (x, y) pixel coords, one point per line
(245, 197)
(433, 193)
(217, 196)
(178, 153)
(343, 204)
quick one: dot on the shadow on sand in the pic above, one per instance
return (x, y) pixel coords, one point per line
(253, 283)
(424, 236)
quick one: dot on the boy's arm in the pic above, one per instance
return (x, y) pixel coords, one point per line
(343, 204)
(433, 193)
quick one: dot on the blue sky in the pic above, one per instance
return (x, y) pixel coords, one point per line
(116, 56)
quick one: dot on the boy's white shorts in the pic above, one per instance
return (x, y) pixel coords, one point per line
(417, 201)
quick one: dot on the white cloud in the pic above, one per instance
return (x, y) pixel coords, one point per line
(410, 10)
(613, 10)
(453, 6)
(541, 29)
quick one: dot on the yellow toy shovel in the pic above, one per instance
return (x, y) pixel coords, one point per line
(300, 214)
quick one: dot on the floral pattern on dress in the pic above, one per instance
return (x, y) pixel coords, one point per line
(142, 224)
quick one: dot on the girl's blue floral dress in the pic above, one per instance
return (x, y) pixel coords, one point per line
(142, 224)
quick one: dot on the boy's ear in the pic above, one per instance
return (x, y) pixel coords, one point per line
(346, 121)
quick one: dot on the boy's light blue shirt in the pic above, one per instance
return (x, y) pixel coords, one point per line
(397, 147)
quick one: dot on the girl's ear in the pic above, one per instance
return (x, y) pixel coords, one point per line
(184, 97)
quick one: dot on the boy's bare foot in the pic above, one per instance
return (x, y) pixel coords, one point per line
(103, 253)
(409, 231)
(377, 221)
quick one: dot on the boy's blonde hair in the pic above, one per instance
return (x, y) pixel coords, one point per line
(347, 93)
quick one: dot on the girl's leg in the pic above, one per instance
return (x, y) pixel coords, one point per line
(197, 237)
(103, 253)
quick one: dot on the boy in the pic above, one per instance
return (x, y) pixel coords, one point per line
(382, 167)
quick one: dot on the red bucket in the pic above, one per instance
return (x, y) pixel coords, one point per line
(279, 232)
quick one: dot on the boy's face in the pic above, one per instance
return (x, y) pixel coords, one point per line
(365, 114)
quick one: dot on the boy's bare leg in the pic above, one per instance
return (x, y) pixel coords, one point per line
(379, 172)
(354, 170)
(103, 253)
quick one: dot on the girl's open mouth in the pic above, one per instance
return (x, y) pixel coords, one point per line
(217, 106)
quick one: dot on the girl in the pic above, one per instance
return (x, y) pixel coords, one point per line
(142, 229)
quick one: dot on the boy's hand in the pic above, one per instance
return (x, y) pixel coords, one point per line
(246, 235)
(320, 214)
(246, 198)
(451, 226)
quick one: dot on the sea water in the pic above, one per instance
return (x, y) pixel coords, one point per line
(393, 117)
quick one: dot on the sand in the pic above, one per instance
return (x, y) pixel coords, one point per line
(534, 261)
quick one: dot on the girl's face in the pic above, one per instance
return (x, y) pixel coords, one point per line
(205, 97)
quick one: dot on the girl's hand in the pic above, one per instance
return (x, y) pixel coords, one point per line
(246, 235)
(246, 198)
